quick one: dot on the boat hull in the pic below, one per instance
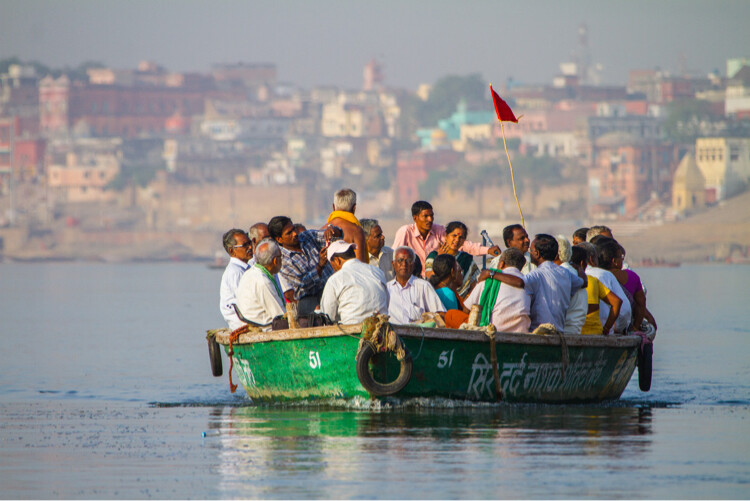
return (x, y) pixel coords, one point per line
(319, 363)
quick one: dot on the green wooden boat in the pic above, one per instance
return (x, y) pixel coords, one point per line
(330, 362)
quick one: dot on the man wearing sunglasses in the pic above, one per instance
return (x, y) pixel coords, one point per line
(240, 250)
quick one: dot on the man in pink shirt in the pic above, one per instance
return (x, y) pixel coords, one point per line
(424, 236)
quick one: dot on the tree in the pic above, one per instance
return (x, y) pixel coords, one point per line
(689, 119)
(130, 175)
(446, 94)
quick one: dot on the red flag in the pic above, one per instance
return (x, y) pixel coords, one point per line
(504, 113)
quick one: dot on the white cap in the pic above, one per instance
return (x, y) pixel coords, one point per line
(338, 247)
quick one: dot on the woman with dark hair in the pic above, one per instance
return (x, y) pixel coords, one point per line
(446, 277)
(631, 284)
(455, 236)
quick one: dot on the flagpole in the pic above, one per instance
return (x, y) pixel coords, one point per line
(512, 178)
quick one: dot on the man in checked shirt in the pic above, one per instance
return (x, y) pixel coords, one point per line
(305, 268)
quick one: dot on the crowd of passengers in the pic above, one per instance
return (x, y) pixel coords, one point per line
(345, 271)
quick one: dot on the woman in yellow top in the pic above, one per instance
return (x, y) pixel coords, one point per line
(596, 292)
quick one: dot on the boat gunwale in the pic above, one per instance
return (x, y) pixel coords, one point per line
(417, 332)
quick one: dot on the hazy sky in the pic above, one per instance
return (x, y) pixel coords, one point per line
(328, 42)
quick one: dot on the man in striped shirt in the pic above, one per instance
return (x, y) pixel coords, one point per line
(305, 267)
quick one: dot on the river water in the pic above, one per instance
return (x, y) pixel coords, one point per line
(106, 392)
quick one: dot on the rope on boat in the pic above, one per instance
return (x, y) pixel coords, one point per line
(420, 344)
(646, 328)
(551, 330)
(350, 334)
(490, 331)
(377, 331)
(378, 336)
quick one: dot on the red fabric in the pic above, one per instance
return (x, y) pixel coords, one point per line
(455, 318)
(504, 113)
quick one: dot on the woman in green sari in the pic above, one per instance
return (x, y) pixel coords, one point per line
(455, 236)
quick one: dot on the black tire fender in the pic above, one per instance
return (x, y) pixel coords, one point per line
(375, 388)
(214, 354)
(645, 359)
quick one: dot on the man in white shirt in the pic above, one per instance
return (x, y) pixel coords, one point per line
(259, 297)
(356, 290)
(515, 237)
(380, 255)
(256, 233)
(410, 296)
(512, 306)
(572, 259)
(238, 246)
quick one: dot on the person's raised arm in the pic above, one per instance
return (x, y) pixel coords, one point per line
(361, 250)
(505, 278)
(476, 249)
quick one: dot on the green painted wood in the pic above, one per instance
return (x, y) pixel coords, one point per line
(449, 364)
(299, 369)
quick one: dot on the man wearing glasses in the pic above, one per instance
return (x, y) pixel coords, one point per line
(409, 296)
(240, 250)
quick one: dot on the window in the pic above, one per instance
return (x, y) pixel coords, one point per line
(734, 154)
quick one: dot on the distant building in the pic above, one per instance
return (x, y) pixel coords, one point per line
(342, 119)
(688, 186)
(641, 126)
(19, 98)
(725, 164)
(88, 110)
(372, 76)
(661, 87)
(28, 151)
(737, 97)
(627, 171)
(452, 126)
(84, 176)
(413, 167)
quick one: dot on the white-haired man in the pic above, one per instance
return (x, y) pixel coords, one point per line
(410, 296)
(356, 290)
(379, 254)
(238, 246)
(575, 317)
(344, 205)
(259, 296)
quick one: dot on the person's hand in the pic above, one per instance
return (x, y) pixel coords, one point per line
(484, 275)
(322, 260)
(332, 232)
(444, 248)
(494, 250)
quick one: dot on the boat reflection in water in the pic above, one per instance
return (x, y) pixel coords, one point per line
(458, 451)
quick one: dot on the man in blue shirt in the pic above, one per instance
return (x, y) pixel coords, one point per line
(549, 285)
